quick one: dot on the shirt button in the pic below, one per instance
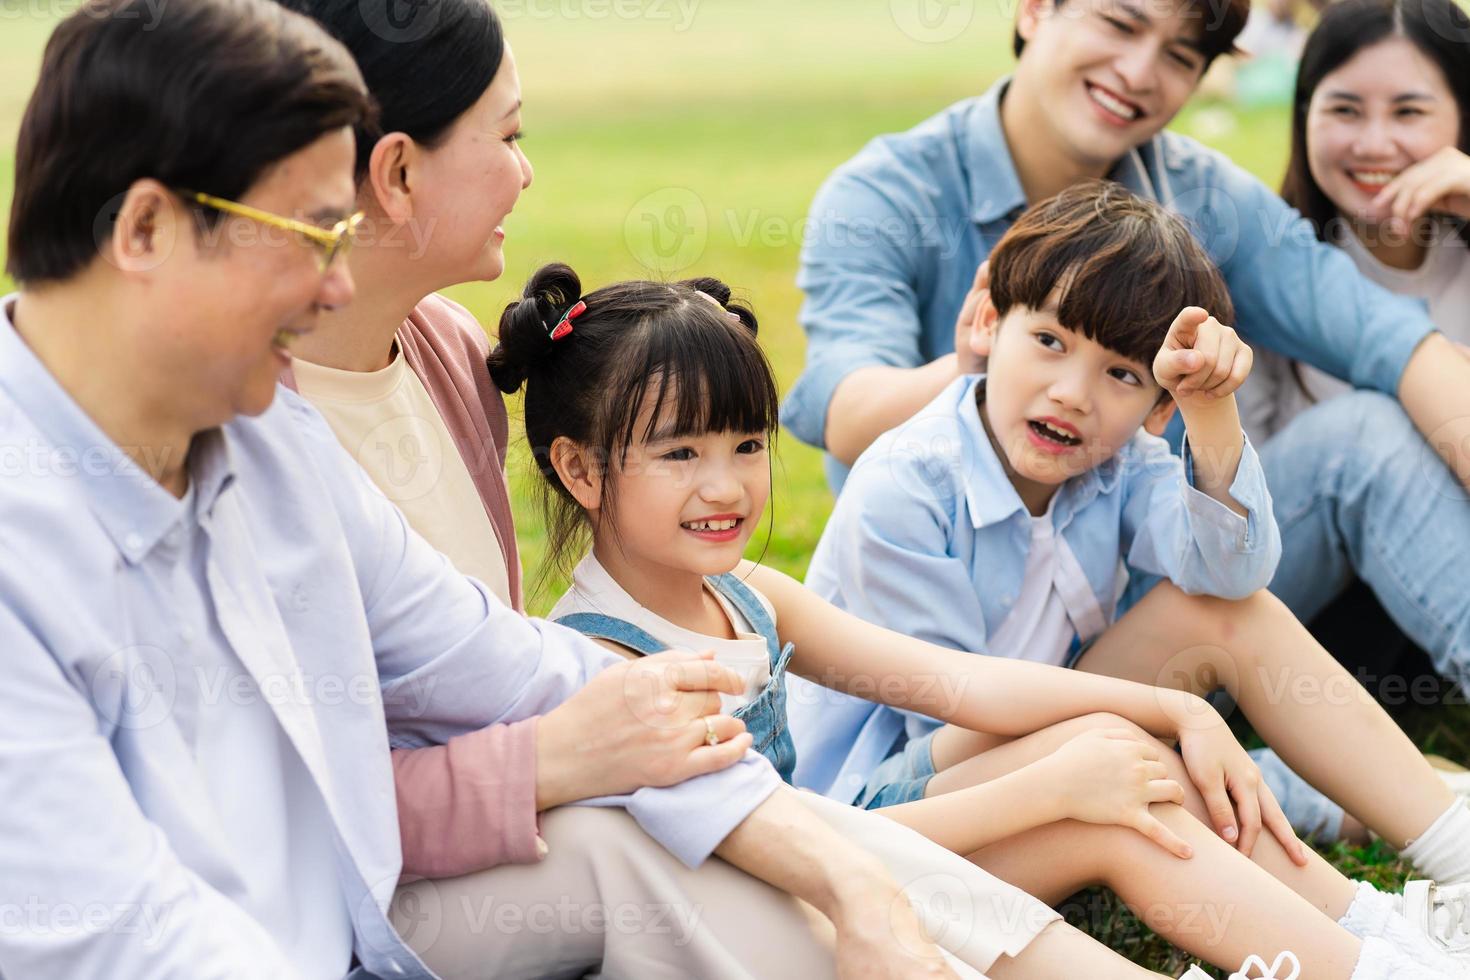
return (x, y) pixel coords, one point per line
(133, 542)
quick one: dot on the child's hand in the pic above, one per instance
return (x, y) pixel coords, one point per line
(1201, 358)
(1239, 801)
(1111, 777)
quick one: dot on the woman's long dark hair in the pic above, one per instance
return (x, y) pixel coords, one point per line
(1438, 28)
(425, 62)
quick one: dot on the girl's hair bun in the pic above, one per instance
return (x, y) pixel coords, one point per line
(717, 290)
(526, 324)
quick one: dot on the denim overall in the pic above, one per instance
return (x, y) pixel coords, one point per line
(765, 716)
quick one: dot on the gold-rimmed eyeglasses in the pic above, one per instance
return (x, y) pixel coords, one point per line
(329, 242)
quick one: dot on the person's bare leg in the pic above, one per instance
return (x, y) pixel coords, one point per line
(1217, 905)
(1319, 883)
(1062, 951)
(1309, 709)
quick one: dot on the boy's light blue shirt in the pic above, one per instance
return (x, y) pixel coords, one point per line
(930, 539)
(898, 231)
(357, 633)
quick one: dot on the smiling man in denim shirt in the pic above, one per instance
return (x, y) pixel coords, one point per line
(898, 232)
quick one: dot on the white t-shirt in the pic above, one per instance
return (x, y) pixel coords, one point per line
(1039, 627)
(593, 590)
(1271, 396)
(389, 424)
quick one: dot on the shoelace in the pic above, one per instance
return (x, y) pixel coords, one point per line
(1269, 972)
(1458, 907)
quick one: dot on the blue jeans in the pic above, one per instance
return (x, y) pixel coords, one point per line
(1358, 493)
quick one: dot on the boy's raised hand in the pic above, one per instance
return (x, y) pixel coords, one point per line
(1202, 359)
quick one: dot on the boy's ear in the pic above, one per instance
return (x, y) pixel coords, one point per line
(987, 321)
(1159, 417)
(574, 468)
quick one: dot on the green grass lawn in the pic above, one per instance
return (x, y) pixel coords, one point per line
(733, 111)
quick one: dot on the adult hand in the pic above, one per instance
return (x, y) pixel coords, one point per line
(1238, 799)
(965, 323)
(879, 938)
(1438, 184)
(1111, 776)
(1201, 359)
(639, 723)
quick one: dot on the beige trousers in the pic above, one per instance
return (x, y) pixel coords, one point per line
(610, 902)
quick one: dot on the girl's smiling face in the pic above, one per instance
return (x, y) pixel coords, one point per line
(1382, 111)
(672, 504)
(689, 503)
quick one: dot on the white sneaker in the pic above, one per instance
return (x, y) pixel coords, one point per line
(1441, 912)
(1272, 972)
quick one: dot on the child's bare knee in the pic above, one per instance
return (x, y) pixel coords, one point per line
(1104, 721)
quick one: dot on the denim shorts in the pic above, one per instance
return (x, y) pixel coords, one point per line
(902, 777)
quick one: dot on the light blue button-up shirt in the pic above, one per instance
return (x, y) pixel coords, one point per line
(930, 538)
(898, 231)
(134, 624)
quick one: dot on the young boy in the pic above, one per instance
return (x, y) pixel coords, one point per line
(996, 520)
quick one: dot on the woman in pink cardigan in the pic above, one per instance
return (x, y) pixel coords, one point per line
(534, 889)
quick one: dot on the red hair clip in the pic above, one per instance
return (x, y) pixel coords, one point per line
(564, 325)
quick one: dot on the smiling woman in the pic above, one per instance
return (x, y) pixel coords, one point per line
(1380, 165)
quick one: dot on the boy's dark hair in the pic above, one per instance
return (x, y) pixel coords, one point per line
(1119, 268)
(206, 96)
(1221, 23)
(704, 370)
(425, 63)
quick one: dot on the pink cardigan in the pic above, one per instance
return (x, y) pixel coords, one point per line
(471, 804)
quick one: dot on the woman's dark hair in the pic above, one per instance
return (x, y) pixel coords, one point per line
(425, 61)
(1121, 267)
(1438, 28)
(205, 95)
(703, 369)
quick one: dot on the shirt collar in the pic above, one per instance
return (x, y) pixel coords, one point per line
(988, 490)
(995, 187)
(991, 496)
(134, 510)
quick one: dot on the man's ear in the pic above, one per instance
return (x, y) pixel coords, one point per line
(1159, 417)
(149, 225)
(1029, 16)
(391, 175)
(987, 322)
(578, 473)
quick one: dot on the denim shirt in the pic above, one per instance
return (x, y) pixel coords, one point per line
(930, 539)
(898, 231)
(357, 634)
